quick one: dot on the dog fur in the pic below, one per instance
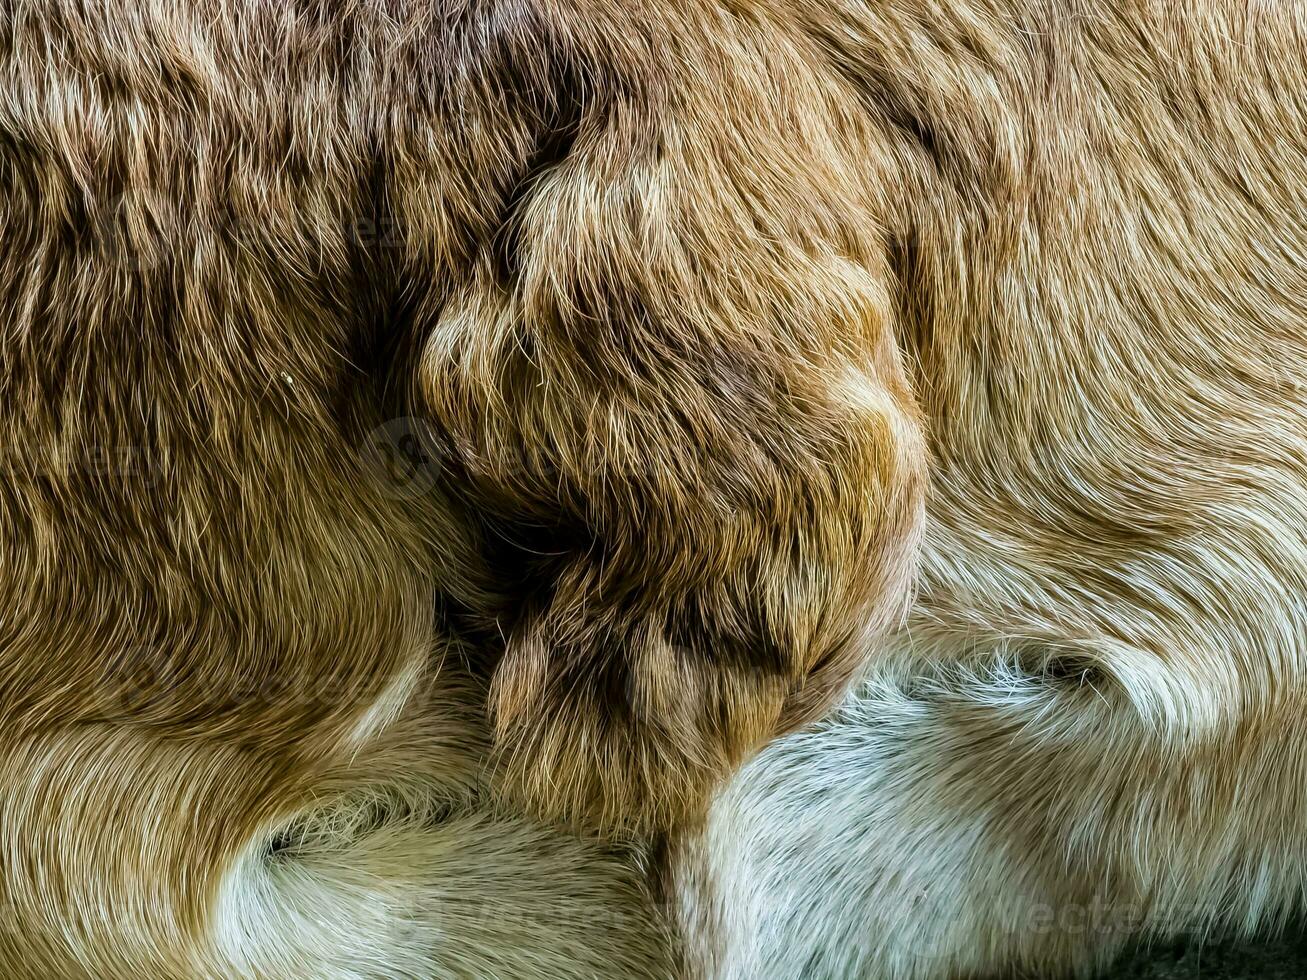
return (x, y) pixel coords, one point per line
(1091, 725)
(699, 493)
(234, 739)
(664, 311)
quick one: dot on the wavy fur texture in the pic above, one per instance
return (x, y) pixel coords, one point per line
(1092, 724)
(523, 225)
(235, 742)
(435, 428)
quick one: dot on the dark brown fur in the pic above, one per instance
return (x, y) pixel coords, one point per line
(640, 350)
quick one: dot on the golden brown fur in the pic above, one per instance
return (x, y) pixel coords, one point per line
(660, 310)
(1093, 723)
(241, 237)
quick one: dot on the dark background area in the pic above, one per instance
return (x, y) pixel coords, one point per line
(1278, 959)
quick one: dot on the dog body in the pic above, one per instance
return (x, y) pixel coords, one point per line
(678, 303)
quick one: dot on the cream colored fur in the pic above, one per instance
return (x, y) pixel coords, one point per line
(971, 820)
